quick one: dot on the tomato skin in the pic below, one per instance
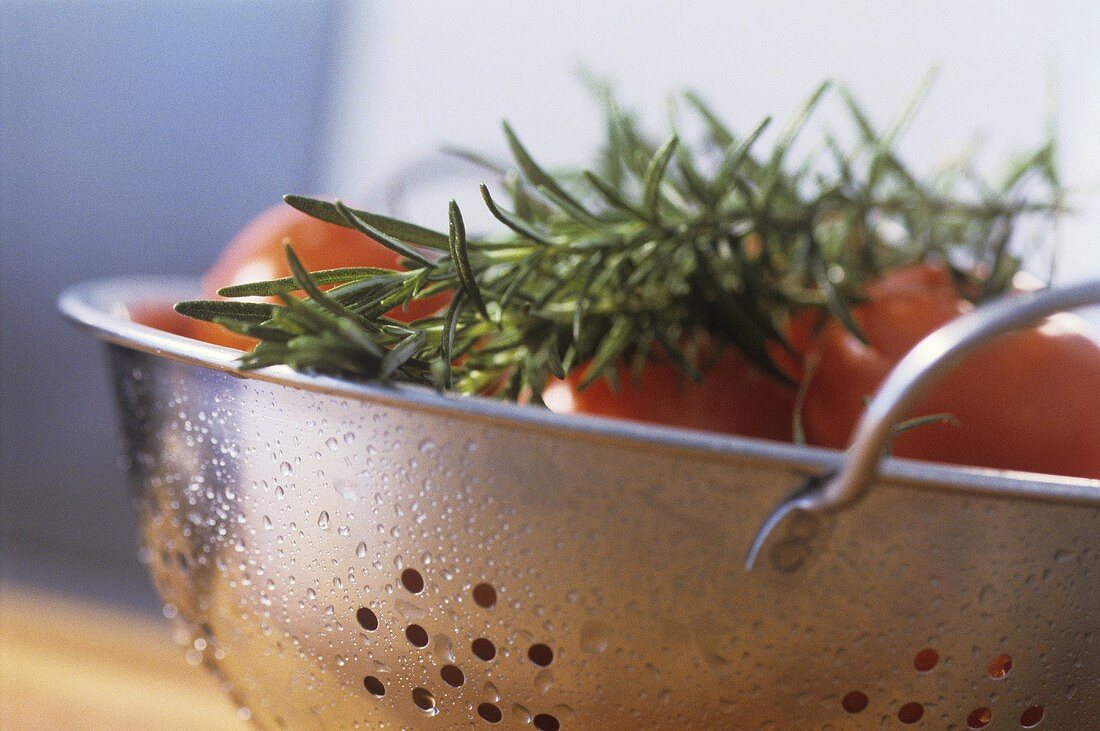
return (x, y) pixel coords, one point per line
(161, 316)
(734, 397)
(902, 307)
(257, 253)
(1029, 400)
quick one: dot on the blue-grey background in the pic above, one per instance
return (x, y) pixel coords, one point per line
(137, 137)
(134, 137)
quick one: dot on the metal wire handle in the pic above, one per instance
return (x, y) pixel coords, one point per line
(932, 357)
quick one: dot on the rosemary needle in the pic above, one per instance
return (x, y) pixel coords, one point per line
(654, 244)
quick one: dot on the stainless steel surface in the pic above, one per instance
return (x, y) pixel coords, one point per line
(342, 554)
(930, 360)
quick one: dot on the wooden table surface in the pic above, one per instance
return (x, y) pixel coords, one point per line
(67, 663)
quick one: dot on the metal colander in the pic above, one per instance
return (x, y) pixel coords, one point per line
(355, 556)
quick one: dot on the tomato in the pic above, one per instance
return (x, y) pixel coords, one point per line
(734, 397)
(257, 253)
(161, 316)
(1029, 400)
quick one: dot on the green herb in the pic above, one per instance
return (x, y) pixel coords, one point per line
(654, 249)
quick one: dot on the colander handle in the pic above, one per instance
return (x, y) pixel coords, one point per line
(928, 361)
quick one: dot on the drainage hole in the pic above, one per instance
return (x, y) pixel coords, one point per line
(417, 635)
(911, 712)
(374, 686)
(425, 701)
(490, 712)
(452, 675)
(540, 654)
(546, 722)
(367, 619)
(926, 659)
(1031, 717)
(485, 596)
(854, 702)
(979, 718)
(999, 667)
(484, 649)
(412, 580)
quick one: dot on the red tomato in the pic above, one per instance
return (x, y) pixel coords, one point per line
(734, 397)
(1028, 401)
(257, 253)
(161, 316)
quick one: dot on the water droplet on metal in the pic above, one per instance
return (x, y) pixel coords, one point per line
(408, 610)
(544, 681)
(595, 636)
(491, 692)
(444, 652)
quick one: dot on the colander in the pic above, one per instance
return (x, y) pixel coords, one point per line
(350, 555)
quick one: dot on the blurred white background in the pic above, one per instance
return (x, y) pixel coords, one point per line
(413, 76)
(138, 137)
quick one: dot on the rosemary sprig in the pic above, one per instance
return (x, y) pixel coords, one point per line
(655, 248)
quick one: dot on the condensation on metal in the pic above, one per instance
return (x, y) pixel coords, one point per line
(352, 562)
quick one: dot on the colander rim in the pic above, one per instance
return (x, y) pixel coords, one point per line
(102, 306)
